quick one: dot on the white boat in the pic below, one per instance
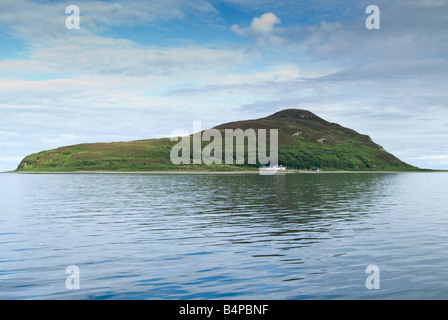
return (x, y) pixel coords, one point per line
(271, 170)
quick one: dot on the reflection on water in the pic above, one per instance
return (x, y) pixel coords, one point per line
(308, 236)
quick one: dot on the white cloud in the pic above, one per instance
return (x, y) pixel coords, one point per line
(36, 20)
(262, 29)
(93, 55)
(259, 26)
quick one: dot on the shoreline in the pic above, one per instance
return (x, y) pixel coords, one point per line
(212, 172)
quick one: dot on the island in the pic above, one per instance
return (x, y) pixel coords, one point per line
(306, 142)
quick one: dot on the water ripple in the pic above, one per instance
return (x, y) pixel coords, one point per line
(223, 236)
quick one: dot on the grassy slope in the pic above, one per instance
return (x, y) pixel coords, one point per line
(299, 147)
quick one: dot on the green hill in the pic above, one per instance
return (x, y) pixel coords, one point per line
(305, 142)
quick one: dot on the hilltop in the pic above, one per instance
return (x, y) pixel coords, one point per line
(305, 141)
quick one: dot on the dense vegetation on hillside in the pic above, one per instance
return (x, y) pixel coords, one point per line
(305, 142)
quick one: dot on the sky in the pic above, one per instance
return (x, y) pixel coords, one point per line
(142, 69)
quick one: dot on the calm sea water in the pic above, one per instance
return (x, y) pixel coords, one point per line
(308, 236)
